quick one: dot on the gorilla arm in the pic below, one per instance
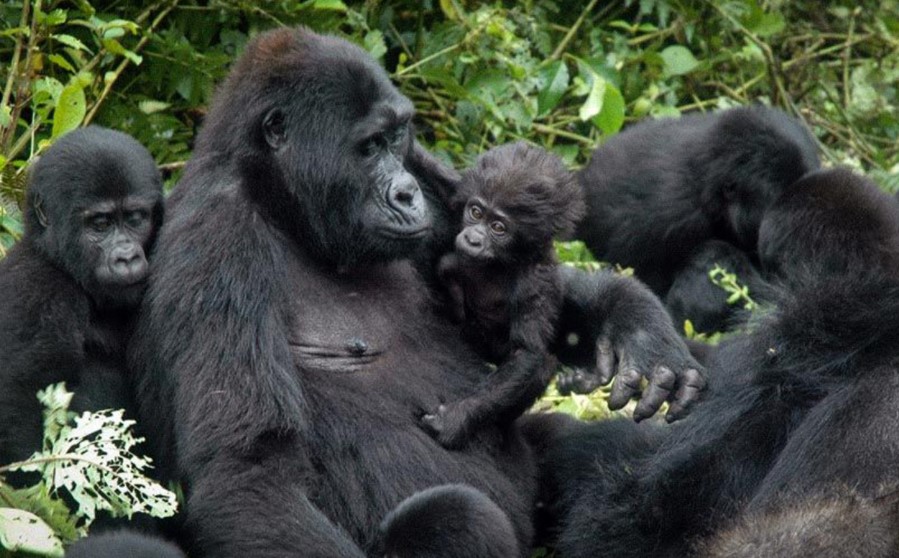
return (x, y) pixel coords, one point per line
(615, 326)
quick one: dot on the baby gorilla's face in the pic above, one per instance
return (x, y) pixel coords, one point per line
(487, 232)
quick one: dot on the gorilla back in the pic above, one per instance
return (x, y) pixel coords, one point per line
(286, 350)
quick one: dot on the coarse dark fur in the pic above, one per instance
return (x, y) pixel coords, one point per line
(833, 221)
(93, 205)
(502, 280)
(659, 189)
(288, 346)
(286, 358)
(123, 544)
(806, 400)
(839, 524)
(614, 326)
(450, 521)
(693, 296)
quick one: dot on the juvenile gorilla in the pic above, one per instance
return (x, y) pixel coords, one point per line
(502, 279)
(93, 205)
(831, 222)
(661, 188)
(286, 359)
(802, 405)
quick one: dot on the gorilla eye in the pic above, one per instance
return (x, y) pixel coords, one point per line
(99, 223)
(136, 218)
(274, 127)
(374, 144)
(475, 212)
(498, 227)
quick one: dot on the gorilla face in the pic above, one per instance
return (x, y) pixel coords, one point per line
(332, 156)
(95, 204)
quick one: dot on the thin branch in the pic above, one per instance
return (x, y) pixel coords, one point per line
(109, 83)
(557, 53)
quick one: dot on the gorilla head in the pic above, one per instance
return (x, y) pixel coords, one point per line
(94, 203)
(348, 195)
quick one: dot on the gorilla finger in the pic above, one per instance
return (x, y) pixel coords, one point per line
(661, 384)
(605, 360)
(692, 385)
(626, 386)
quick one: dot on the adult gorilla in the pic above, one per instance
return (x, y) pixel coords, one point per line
(287, 348)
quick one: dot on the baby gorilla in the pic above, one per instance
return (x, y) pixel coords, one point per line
(502, 279)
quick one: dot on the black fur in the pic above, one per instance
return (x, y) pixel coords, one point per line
(450, 521)
(692, 295)
(806, 401)
(832, 221)
(659, 189)
(502, 279)
(287, 348)
(93, 205)
(611, 325)
(123, 544)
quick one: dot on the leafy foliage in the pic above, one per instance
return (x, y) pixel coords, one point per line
(86, 458)
(737, 293)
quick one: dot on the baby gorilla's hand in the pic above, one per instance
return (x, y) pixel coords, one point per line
(448, 425)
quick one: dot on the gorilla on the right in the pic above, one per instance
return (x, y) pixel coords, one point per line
(799, 422)
(661, 189)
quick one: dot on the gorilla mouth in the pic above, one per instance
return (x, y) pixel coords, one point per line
(404, 232)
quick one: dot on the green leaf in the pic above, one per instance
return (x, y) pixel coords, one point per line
(115, 47)
(70, 110)
(678, 60)
(555, 80)
(593, 105)
(70, 41)
(21, 531)
(334, 5)
(448, 7)
(763, 24)
(53, 18)
(374, 44)
(611, 118)
(60, 61)
(150, 107)
(53, 511)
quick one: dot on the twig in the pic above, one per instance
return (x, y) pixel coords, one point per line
(22, 90)
(109, 83)
(571, 32)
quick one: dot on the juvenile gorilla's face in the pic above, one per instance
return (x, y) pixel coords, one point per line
(113, 236)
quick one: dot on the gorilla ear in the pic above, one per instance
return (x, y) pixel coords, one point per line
(274, 128)
(38, 207)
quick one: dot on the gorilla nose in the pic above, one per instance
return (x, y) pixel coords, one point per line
(404, 194)
(129, 264)
(474, 241)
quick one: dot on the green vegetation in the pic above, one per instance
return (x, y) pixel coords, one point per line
(565, 74)
(86, 465)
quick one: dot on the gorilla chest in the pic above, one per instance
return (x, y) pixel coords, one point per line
(351, 322)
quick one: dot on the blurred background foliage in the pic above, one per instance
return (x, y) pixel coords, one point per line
(564, 74)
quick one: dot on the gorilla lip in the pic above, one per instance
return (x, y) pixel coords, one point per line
(404, 233)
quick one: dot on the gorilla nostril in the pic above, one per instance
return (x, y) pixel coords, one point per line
(404, 197)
